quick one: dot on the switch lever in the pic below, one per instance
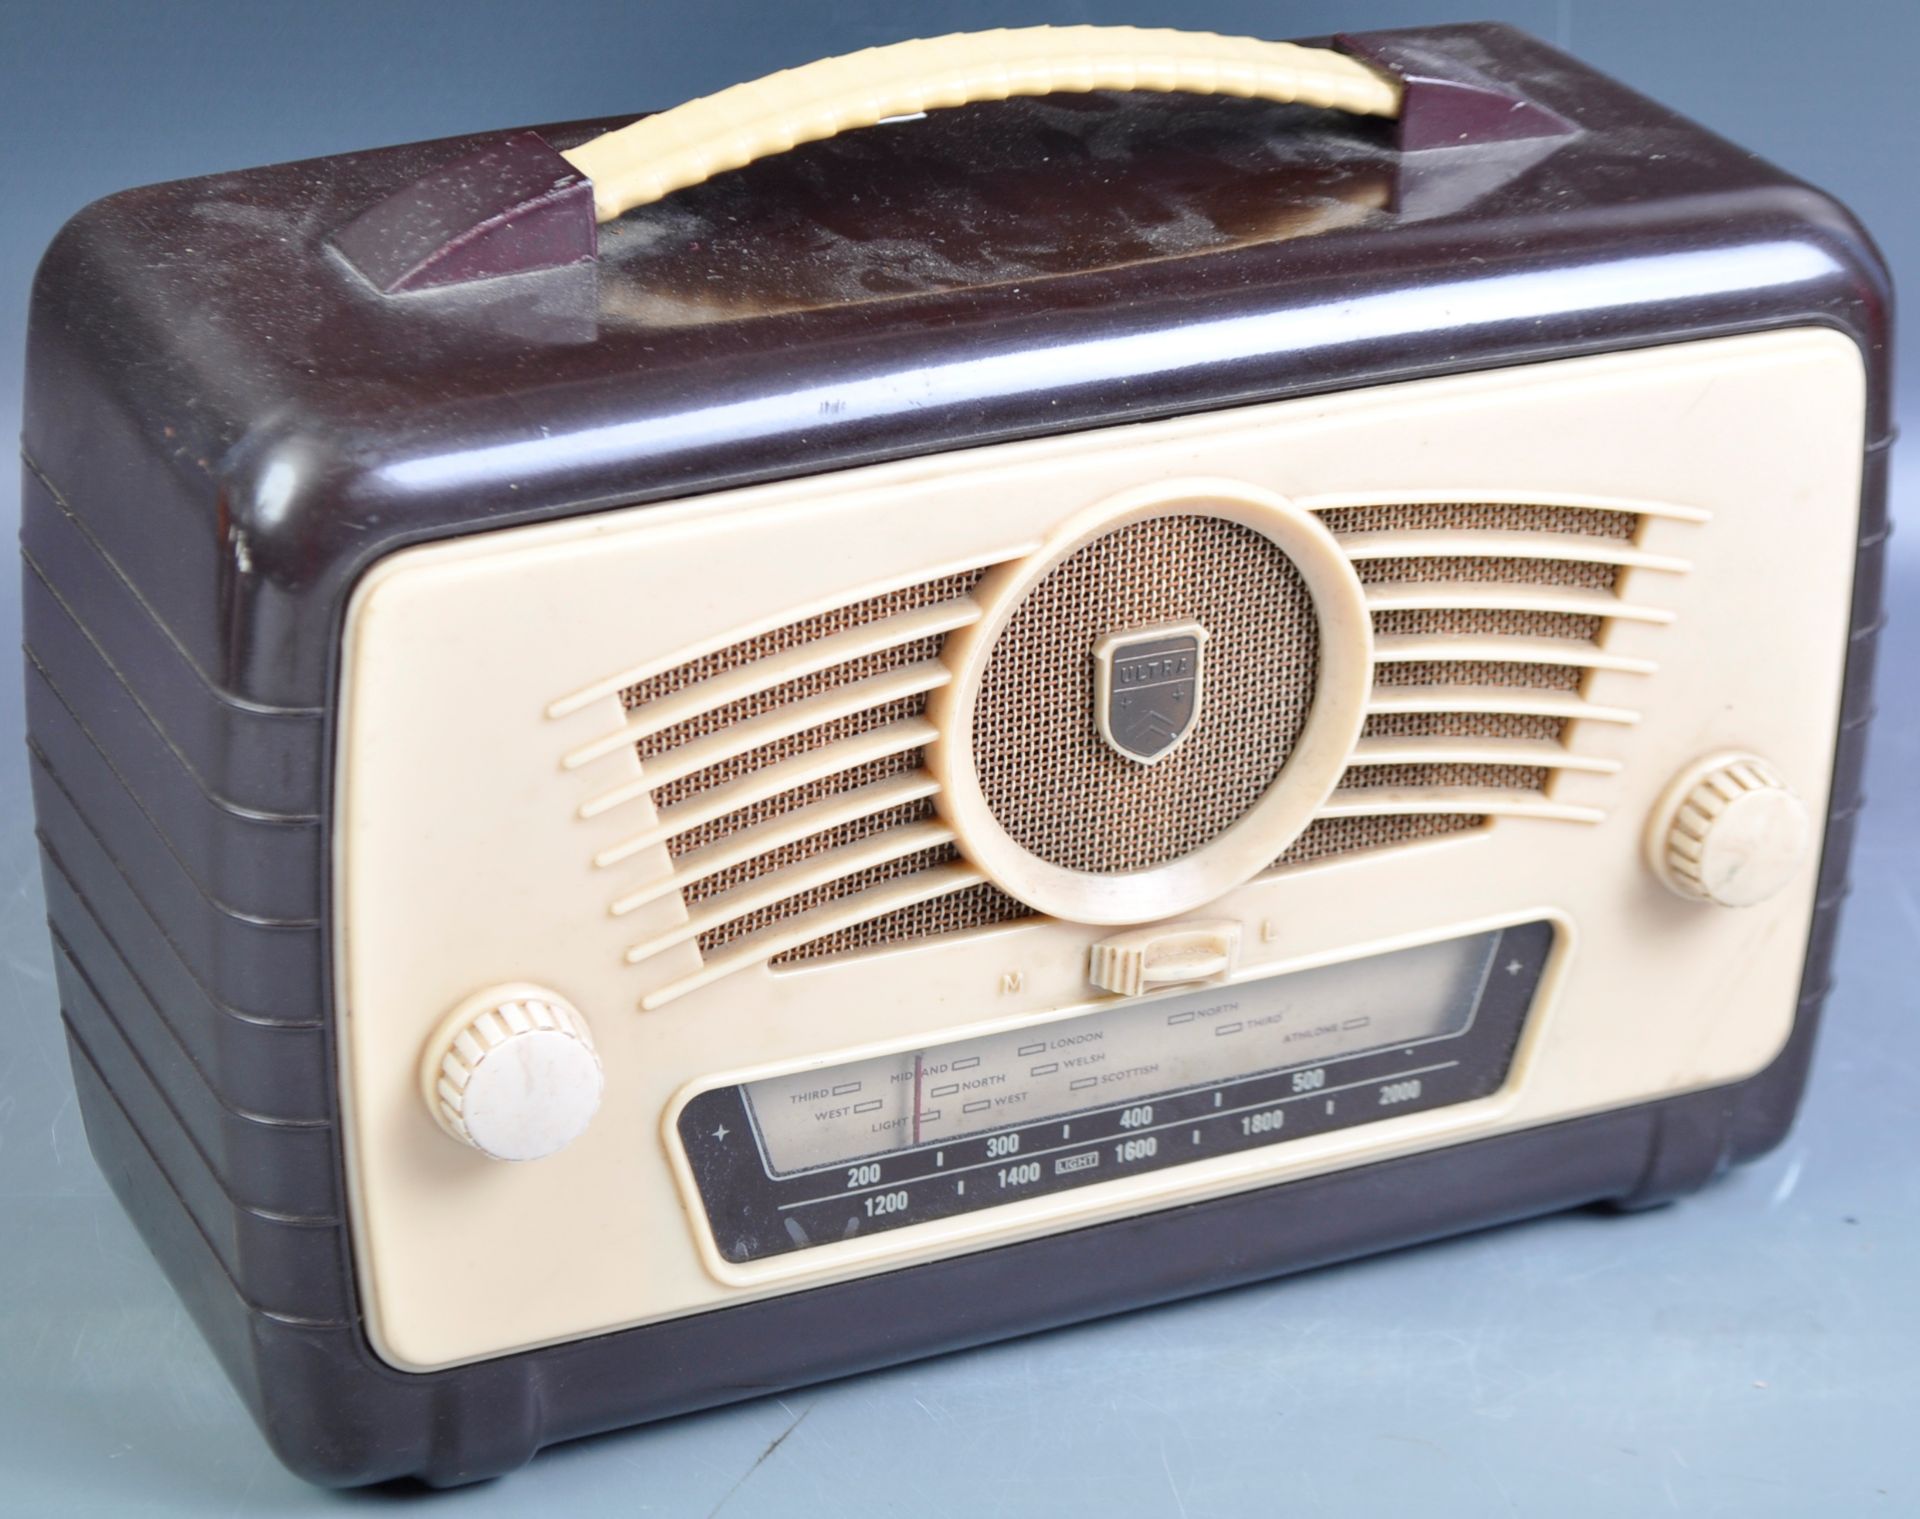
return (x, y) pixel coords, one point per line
(1147, 959)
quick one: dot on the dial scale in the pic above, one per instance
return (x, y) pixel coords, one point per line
(829, 1153)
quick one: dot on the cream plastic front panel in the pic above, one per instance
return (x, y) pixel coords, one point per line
(473, 667)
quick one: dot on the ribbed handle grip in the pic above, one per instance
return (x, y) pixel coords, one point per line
(638, 164)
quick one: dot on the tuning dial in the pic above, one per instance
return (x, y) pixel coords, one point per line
(1730, 831)
(513, 1073)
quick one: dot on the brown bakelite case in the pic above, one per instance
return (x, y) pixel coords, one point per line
(229, 418)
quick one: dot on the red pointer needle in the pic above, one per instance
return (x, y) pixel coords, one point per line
(916, 1096)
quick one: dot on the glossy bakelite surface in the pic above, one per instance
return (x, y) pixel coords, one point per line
(984, 273)
(244, 425)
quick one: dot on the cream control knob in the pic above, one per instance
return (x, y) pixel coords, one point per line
(1170, 954)
(513, 1072)
(1730, 831)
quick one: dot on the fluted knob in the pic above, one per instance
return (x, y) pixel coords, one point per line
(514, 1074)
(1734, 833)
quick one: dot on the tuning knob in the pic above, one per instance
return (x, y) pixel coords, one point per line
(1730, 831)
(513, 1073)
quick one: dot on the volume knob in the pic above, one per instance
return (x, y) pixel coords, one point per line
(1731, 832)
(513, 1072)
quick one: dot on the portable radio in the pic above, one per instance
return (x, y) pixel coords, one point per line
(658, 783)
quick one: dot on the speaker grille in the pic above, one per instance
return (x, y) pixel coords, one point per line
(1455, 543)
(1052, 782)
(1479, 672)
(1503, 777)
(1328, 837)
(740, 766)
(834, 806)
(796, 816)
(1490, 621)
(1480, 517)
(980, 906)
(843, 783)
(1489, 569)
(796, 635)
(1524, 726)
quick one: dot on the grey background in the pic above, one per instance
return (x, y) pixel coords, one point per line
(1753, 1350)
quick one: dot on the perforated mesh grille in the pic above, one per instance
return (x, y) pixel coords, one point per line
(919, 921)
(1047, 775)
(852, 832)
(1050, 779)
(793, 635)
(800, 796)
(1523, 725)
(1345, 835)
(976, 907)
(1477, 672)
(1479, 516)
(720, 719)
(804, 742)
(1490, 622)
(1486, 569)
(1501, 777)
(820, 896)
(782, 640)
(1336, 836)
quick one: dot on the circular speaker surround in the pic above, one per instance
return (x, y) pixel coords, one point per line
(1071, 794)
(1154, 704)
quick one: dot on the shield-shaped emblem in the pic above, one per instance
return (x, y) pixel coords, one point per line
(1146, 688)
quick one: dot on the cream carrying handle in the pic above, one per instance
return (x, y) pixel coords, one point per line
(515, 205)
(641, 163)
